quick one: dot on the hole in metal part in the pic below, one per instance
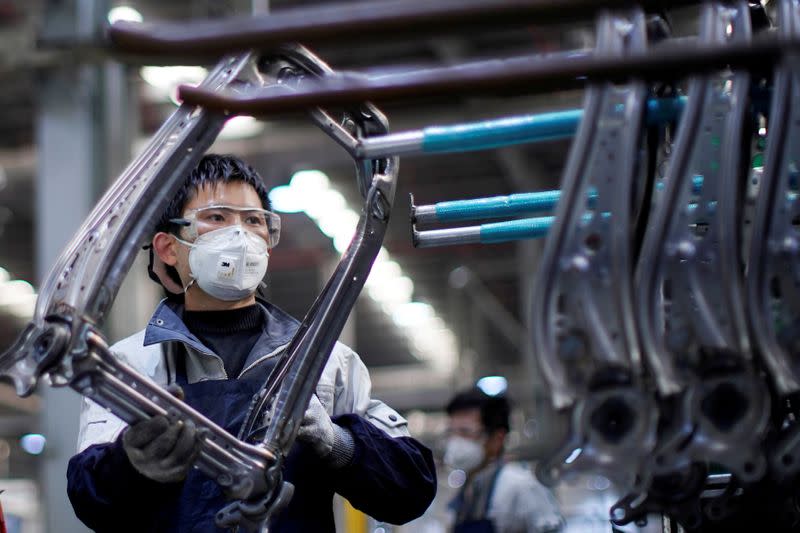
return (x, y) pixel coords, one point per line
(593, 241)
(613, 419)
(724, 407)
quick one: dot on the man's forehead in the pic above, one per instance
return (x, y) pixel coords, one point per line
(465, 417)
(233, 193)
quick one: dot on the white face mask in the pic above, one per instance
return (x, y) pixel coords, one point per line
(228, 263)
(463, 454)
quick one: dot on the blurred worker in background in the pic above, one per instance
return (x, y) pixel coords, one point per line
(497, 496)
(214, 343)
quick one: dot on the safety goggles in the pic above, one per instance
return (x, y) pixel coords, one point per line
(261, 222)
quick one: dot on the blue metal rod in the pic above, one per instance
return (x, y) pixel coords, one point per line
(496, 232)
(500, 206)
(527, 128)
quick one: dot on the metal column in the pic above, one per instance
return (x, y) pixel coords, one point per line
(70, 176)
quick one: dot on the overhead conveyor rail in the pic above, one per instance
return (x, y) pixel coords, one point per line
(354, 21)
(527, 74)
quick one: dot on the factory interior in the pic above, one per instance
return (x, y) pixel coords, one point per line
(430, 320)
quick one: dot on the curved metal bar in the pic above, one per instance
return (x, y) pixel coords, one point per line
(529, 74)
(86, 276)
(352, 21)
(99, 375)
(714, 407)
(583, 325)
(771, 276)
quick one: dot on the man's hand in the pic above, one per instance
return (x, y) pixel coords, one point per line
(162, 449)
(331, 442)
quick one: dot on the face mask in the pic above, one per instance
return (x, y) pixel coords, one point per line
(228, 263)
(463, 454)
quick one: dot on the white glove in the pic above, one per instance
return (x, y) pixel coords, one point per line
(328, 440)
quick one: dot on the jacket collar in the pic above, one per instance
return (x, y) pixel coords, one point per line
(166, 325)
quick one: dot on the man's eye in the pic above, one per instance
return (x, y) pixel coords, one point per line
(256, 221)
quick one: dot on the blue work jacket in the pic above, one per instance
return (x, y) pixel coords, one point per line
(391, 477)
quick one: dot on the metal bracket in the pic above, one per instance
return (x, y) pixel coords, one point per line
(583, 326)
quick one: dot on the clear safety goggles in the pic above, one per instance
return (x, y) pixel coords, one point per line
(261, 222)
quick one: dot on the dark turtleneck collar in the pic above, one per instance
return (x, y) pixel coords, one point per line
(223, 322)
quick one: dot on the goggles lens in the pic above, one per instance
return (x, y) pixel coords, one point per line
(261, 222)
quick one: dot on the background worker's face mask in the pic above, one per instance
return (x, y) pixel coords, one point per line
(463, 453)
(228, 263)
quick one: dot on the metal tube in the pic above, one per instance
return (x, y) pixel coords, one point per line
(505, 131)
(507, 206)
(409, 142)
(529, 74)
(512, 230)
(352, 21)
(497, 206)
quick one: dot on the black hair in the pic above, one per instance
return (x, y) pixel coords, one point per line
(495, 410)
(210, 171)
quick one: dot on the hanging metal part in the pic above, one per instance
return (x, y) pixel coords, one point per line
(291, 384)
(82, 284)
(774, 301)
(689, 280)
(583, 331)
(773, 273)
(62, 342)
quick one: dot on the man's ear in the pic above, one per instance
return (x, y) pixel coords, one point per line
(496, 441)
(164, 246)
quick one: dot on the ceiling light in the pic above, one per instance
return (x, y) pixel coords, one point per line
(166, 80)
(241, 127)
(284, 199)
(33, 443)
(310, 191)
(309, 181)
(14, 291)
(412, 314)
(124, 13)
(394, 293)
(493, 385)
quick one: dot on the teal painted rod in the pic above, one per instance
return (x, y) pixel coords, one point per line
(512, 230)
(491, 233)
(500, 206)
(527, 128)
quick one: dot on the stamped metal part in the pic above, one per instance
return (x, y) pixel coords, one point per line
(583, 325)
(773, 273)
(85, 278)
(690, 295)
(773, 269)
(690, 284)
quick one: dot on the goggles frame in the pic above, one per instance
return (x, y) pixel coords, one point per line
(273, 222)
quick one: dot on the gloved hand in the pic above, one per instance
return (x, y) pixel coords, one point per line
(162, 449)
(330, 441)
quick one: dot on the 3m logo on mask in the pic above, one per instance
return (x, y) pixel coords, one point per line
(226, 268)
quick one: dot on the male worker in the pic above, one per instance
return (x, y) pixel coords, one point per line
(497, 496)
(215, 345)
